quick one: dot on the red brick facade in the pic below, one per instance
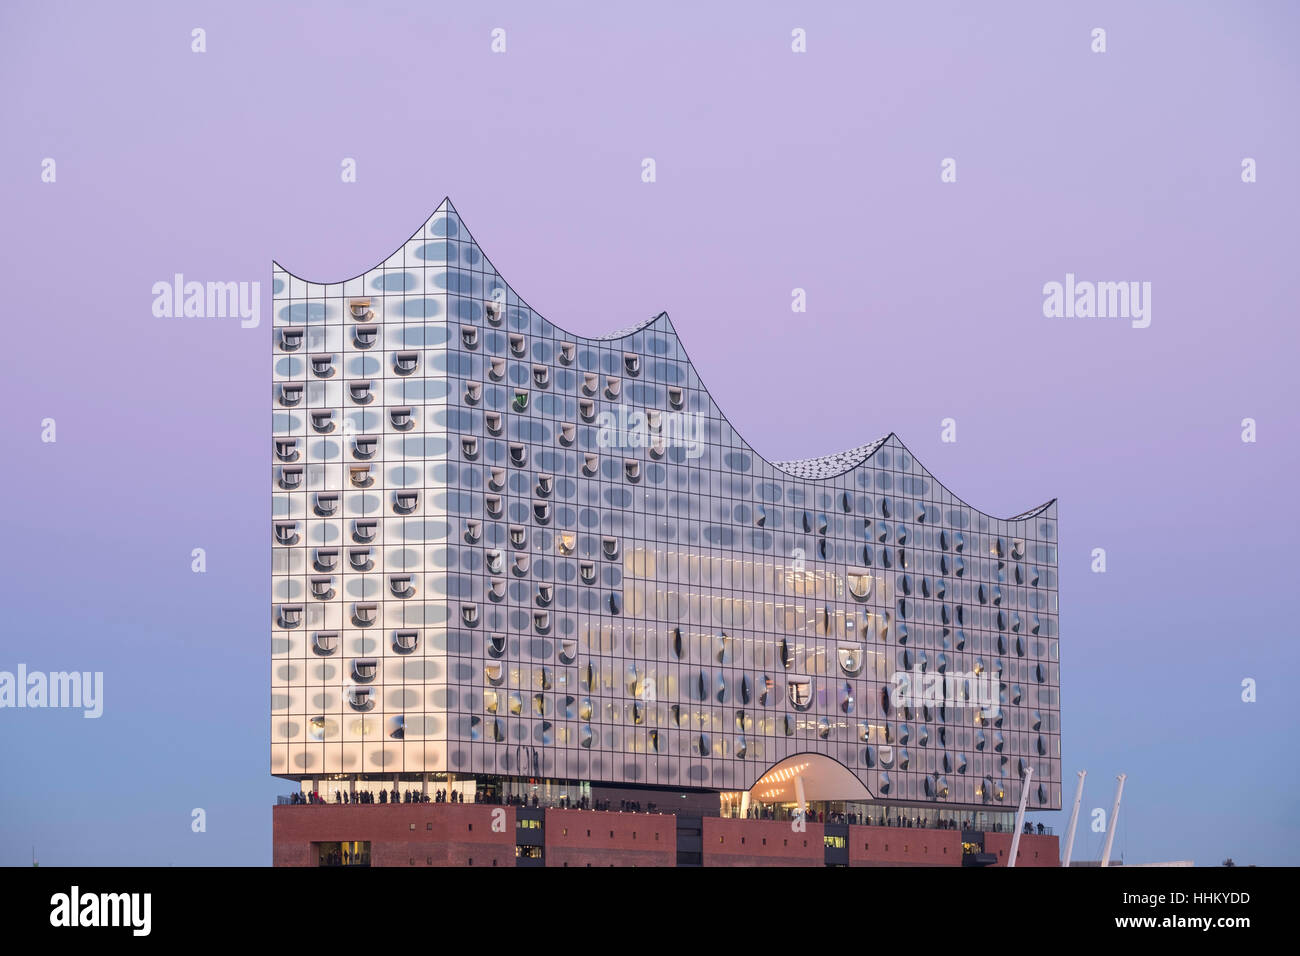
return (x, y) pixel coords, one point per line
(441, 834)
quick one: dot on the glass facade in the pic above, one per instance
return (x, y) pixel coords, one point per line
(501, 549)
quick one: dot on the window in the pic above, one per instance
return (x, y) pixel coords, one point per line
(326, 559)
(675, 397)
(473, 392)
(493, 505)
(469, 336)
(365, 671)
(520, 403)
(286, 532)
(541, 376)
(497, 479)
(404, 363)
(544, 485)
(518, 345)
(360, 698)
(610, 547)
(613, 387)
(327, 502)
(493, 422)
(587, 570)
(322, 419)
(586, 409)
(565, 543)
(567, 432)
(322, 587)
(360, 309)
(497, 369)
(632, 363)
(322, 366)
(566, 353)
(360, 476)
(291, 478)
(290, 615)
(364, 530)
(360, 392)
(291, 338)
(469, 448)
(359, 558)
(492, 311)
(363, 614)
(632, 469)
(590, 463)
(325, 643)
(402, 585)
(518, 536)
(290, 394)
(401, 418)
(406, 640)
(518, 455)
(469, 614)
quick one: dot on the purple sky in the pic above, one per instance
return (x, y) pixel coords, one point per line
(775, 171)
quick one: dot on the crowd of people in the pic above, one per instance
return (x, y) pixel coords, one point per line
(769, 812)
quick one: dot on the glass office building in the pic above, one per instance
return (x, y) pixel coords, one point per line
(503, 552)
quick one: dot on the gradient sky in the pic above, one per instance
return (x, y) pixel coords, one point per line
(775, 171)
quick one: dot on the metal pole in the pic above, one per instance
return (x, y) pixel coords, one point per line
(1074, 819)
(1020, 816)
(1114, 816)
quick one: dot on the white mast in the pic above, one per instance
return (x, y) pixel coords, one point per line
(1074, 819)
(1020, 816)
(1114, 817)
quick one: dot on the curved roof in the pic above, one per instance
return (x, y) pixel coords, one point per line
(445, 223)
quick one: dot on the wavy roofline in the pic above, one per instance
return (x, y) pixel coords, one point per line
(624, 333)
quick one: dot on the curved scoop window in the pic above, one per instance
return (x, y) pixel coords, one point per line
(859, 582)
(322, 419)
(405, 640)
(361, 392)
(322, 366)
(568, 651)
(632, 363)
(541, 376)
(402, 585)
(401, 418)
(493, 422)
(404, 363)
(322, 587)
(469, 336)
(290, 615)
(325, 643)
(327, 502)
(291, 477)
(364, 446)
(290, 394)
(518, 345)
(364, 670)
(360, 476)
(566, 353)
(286, 532)
(360, 559)
(291, 338)
(568, 431)
(801, 692)
(364, 613)
(492, 311)
(851, 658)
(496, 645)
(326, 559)
(361, 698)
(495, 672)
